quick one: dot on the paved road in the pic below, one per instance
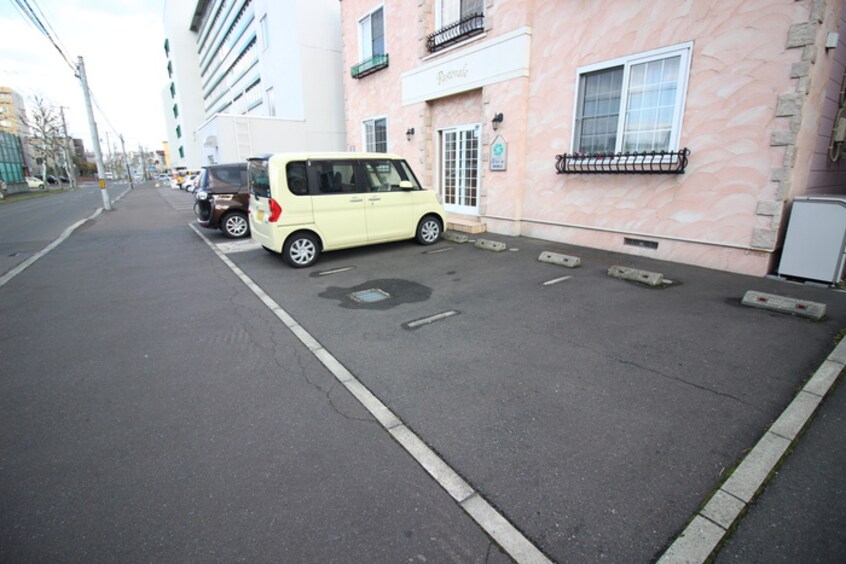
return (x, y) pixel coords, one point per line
(152, 408)
(27, 226)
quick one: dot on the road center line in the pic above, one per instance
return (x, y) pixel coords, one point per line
(470, 500)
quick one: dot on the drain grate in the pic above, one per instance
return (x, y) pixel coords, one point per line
(369, 296)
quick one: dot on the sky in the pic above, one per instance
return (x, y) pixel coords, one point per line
(122, 44)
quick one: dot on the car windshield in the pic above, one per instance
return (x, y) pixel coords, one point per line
(258, 178)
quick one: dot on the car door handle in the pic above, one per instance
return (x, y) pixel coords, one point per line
(356, 200)
(376, 199)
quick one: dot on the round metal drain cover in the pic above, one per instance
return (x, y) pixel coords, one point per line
(369, 296)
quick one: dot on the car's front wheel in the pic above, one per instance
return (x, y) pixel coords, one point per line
(235, 225)
(429, 230)
(301, 250)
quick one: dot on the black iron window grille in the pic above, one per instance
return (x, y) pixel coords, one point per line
(468, 26)
(646, 162)
(375, 63)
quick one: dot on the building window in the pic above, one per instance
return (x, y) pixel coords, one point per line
(265, 35)
(181, 152)
(376, 135)
(632, 104)
(170, 69)
(252, 95)
(372, 33)
(167, 47)
(271, 102)
(175, 111)
(371, 44)
(451, 11)
(172, 90)
(178, 131)
(456, 20)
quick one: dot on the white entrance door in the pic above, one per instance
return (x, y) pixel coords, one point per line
(460, 169)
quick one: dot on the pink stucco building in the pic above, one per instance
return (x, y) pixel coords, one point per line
(738, 98)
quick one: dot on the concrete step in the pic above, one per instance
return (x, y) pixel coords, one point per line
(465, 224)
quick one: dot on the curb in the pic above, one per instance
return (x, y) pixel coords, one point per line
(712, 523)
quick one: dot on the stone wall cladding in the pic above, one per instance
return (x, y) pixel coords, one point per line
(802, 35)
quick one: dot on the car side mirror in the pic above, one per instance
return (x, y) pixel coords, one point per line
(406, 185)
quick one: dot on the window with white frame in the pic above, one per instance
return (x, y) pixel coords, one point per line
(632, 104)
(376, 135)
(271, 102)
(450, 11)
(265, 34)
(372, 34)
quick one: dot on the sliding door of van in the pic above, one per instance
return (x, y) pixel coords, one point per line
(338, 203)
(388, 209)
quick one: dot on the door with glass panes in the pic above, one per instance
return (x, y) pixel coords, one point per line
(460, 169)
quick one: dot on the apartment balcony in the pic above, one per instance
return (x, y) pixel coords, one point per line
(376, 63)
(466, 27)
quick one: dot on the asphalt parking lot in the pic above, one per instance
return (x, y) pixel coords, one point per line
(597, 415)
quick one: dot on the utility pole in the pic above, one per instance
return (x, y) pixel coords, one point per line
(126, 162)
(143, 161)
(68, 162)
(95, 137)
(110, 164)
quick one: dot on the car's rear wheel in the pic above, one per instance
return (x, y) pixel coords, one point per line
(301, 250)
(235, 225)
(429, 230)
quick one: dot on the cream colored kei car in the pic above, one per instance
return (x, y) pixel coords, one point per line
(303, 204)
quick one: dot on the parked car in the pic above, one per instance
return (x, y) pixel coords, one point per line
(33, 182)
(223, 199)
(190, 182)
(304, 204)
(52, 179)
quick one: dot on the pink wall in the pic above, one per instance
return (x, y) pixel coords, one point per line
(725, 211)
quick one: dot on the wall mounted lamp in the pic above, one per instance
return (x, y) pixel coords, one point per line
(496, 121)
(409, 133)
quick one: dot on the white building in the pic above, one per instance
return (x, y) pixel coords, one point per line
(183, 112)
(268, 77)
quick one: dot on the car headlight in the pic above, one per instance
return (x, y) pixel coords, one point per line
(202, 195)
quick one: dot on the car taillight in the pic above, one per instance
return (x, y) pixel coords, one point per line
(275, 211)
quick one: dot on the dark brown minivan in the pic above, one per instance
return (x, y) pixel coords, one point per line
(222, 199)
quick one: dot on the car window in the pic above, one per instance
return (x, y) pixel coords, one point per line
(258, 179)
(382, 176)
(409, 175)
(334, 177)
(297, 178)
(225, 178)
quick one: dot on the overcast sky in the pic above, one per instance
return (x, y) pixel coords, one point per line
(121, 42)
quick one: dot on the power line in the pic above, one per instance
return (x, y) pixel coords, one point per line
(42, 25)
(25, 9)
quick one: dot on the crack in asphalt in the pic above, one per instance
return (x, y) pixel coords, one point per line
(691, 384)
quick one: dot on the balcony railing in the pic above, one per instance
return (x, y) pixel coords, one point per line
(468, 26)
(377, 62)
(647, 162)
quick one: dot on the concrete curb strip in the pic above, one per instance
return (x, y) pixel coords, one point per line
(559, 259)
(708, 528)
(635, 275)
(782, 304)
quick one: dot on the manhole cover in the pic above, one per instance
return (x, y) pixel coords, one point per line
(369, 296)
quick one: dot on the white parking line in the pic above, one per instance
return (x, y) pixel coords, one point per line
(470, 500)
(556, 281)
(431, 319)
(241, 246)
